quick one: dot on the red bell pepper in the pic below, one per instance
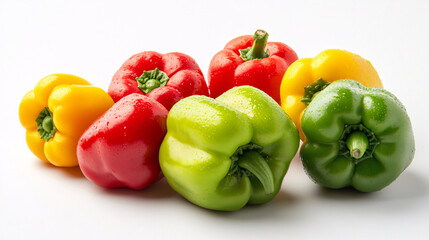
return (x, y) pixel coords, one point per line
(120, 149)
(248, 60)
(166, 78)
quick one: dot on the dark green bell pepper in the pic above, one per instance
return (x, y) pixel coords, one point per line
(226, 152)
(356, 136)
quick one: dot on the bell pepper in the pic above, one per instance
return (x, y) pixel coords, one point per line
(226, 152)
(248, 60)
(307, 76)
(57, 112)
(356, 136)
(166, 78)
(120, 149)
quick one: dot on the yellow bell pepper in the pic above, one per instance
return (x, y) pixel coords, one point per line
(305, 77)
(57, 112)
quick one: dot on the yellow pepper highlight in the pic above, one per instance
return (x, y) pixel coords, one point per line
(329, 65)
(64, 105)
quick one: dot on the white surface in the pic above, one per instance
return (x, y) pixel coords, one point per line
(92, 39)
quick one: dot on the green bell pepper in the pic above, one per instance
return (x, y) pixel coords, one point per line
(356, 136)
(226, 152)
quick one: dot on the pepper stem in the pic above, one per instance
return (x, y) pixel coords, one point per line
(150, 80)
(357, 143)
(310, 91)
(48, 124)
(45, 124)
(258, 166)
(257, 50)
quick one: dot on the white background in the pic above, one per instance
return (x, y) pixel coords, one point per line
(92, 39)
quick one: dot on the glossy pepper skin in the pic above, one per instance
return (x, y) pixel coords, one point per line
(357, 136)
(227, 152)
(120, 149)
(301, 80)
(56, 112)
(166, 78)
(250, 60)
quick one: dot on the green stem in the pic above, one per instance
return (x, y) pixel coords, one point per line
(257, 50)
(150, 80)
(310, 91)
(45, 124)
(344, 149)
(48, 124)
(258, 166)
(357, 143)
